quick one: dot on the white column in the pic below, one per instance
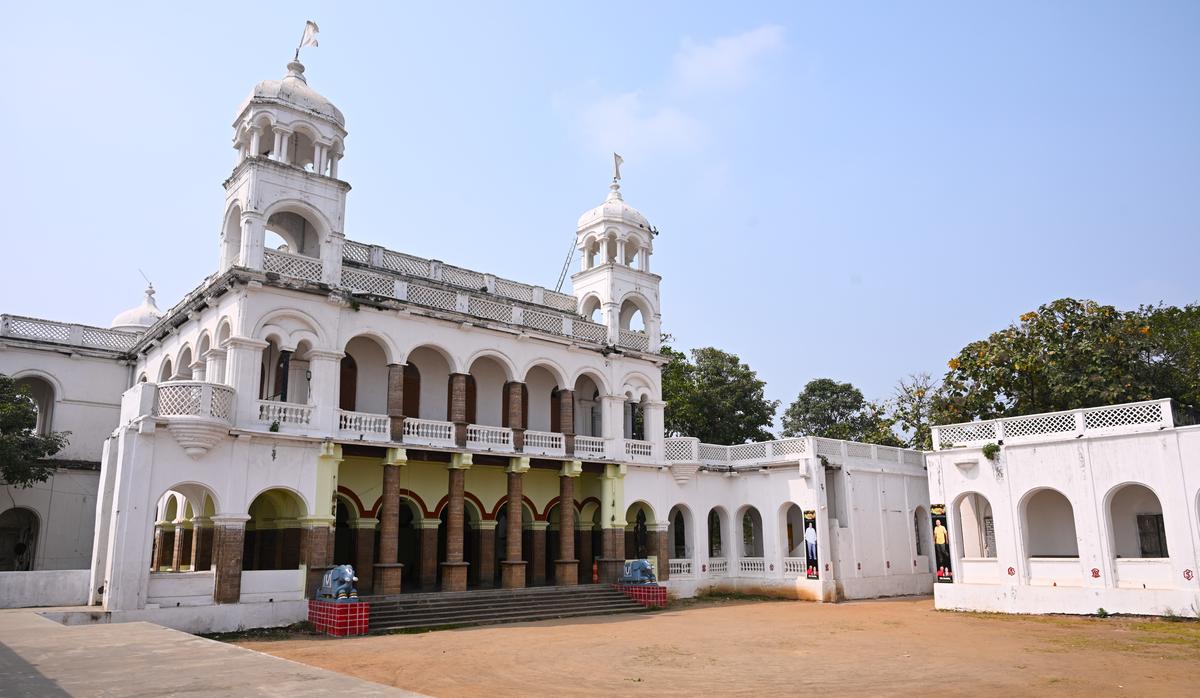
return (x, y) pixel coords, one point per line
(131, 527)
(644, 263)
(243, 369)
(254, 231)
(277, 148)
(214, 365)
(255, 140)
(198, 369)
(620, 251)
(653, 420)
(333, 164)
(612, 318)
(613, 423)
(285, 139)
(323, 393)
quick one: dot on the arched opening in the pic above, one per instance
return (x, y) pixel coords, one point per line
(165, 371)
(408, 544)
(527, 518)
(589, 410)
(183, 533)
(273, 532)
(1136, 520)
(18, 540)
(976, 529)
(554, 538)
(750, 533)
(591, 310)
(542, 388)
(284, 375)
(302, 149)
(345, 532)
(184, 370)
(489, 378)
(633, 253)
(638, 519)
(635, 417)
(679, 532)
(430, 374)
(231, 238)
(297, 233)
(793, 531)
(1050, 525)
(632, 317)
(41, 393)
(924, 543)
(364, 377)
(471, 541)
(716, 547)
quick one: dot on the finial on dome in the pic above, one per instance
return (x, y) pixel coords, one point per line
(296, 70)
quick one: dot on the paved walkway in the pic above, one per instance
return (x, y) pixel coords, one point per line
(40, 657)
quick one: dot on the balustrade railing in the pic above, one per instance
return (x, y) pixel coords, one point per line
(793, 567)
(680, 567)
(590, 446)
(717, 567)
(545, 442)
(752, 566)
(638, 449)
(195, 399)
(293, 265)
(364, 423)
(1057, 426)
(789, 450)
(487, 438)
(429, 432)
(284, 413)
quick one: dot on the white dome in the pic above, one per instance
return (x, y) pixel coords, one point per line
(614, 208)
(139, 318)
(293, 90)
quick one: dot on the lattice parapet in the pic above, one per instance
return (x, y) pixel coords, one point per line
(544, 321)
(464, 278)
(560, 301)
(591, 331)
(635, 340)
(366, 282)
(432, 297)
(480, 307)
(356, 252)
(39, 330)
(293, 265)
(1056, 426)
(514, 290)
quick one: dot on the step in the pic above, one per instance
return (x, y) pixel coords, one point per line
(488, 620)
(484, 601)
(485, 593)
(480, 612)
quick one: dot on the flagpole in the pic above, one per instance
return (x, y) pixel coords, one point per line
(301, 44)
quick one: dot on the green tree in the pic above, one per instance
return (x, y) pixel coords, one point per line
(913, 409)
(1069, 354)
(715, 398)
(838, 411)
(22, 449)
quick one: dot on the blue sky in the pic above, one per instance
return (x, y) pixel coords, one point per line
(847, 190)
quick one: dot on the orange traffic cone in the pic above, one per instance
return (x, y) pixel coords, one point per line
(595, 572)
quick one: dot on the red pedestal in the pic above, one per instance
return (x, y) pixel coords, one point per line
(339, 619)
(648, 595)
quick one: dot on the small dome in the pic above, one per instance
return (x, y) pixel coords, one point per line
(139, 318)
(614, 208)
(293, 90)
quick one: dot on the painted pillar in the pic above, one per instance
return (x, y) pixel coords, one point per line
(566, 567)
(512, 569)
(243, 369)
(228, 538)
(326, 367)
(388, 571)
(454, 569)
(612, 502)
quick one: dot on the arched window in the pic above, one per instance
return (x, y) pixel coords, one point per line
(1050, 526)
(976, 528)
(41, 394)
(752, 542)
(1135, 515)
(714, 534)
(793, 523)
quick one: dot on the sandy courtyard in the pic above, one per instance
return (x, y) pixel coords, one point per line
(894, 647)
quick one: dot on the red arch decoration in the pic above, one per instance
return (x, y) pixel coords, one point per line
(483, 512)
(528, 502)
(362, 511)
(374, 512)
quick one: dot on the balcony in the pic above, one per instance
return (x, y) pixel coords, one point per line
(590, 447)
(545, 443)
(485, 438)
(292, 265)
(364, 426)
(197, 414)
(284, 414)
(428, 432)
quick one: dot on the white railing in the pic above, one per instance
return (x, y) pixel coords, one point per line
(485, 438)
(545, 442)
(793, 567)
(638, 449)
(1058, 426)
(429, 432)
(590, 331)
(364, 423)
(634, 340)
(284, 413)
(20, 327)
(789, 450)
(752, 567)
(680, 567)
(194, 399)
(293, 265)
(717, 567)
(590, 446)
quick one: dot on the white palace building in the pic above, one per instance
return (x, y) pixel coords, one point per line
(320, 401)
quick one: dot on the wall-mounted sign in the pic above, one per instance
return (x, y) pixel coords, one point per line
(941, 543)
(812, 566)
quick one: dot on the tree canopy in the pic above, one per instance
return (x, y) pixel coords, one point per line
(22, 449)
(838, 411)
(1069, 354)
(715, 398)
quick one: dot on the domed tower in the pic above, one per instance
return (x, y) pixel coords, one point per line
(138, 318)
(614, 284)
(289, 140)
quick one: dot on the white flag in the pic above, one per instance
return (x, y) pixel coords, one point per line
(617, 162)
(310, 34)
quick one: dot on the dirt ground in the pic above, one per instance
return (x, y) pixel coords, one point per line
(892, 647)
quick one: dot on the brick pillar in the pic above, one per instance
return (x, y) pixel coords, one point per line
(166, 546)
(566, 567)
(202, 543)
(657, 542)
(454, 569)
(156, 550)
(228, 538)
(585, 553)
(315, 552)
(566, 419)
(395, 401)
(514, 405)
(512, 569)
(537, 551)
(177, 548)
(458, 408)
(612, 522)
(364, 555)
(389, 571)
(487, 554)
(429, 550)
(183, 542)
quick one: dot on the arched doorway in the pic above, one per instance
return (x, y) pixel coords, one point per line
(273, 532)
(750, 538)
(1138, 538)
(716, 548)
(18, 540)
(1051, 546)
(345, 533)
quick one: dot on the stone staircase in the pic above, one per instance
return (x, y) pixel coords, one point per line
(486, 606)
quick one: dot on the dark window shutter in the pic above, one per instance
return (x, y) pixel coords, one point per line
(412, 391)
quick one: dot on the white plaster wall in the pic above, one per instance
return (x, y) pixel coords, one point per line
(371, 386)
(43, 588)
(540, 384)
(489, 391)
(65, 505)
(435, 376)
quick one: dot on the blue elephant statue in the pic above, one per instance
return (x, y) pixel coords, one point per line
(338, 585)
(637, 572)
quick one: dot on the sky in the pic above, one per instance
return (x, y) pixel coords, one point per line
(844, 190)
